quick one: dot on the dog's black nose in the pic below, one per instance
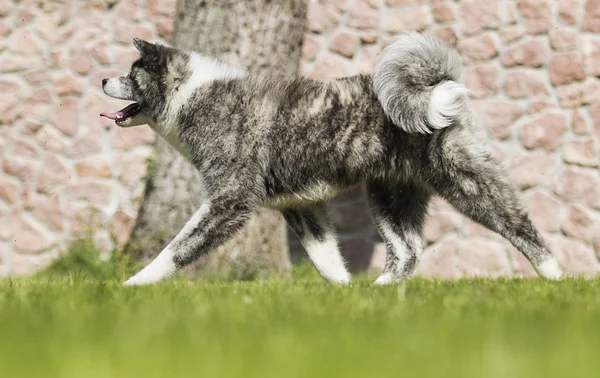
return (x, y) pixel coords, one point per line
(104, 82)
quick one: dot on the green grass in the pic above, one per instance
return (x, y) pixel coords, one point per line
(80, 325)
(82, 261)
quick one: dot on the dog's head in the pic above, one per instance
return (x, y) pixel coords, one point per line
(152, 78)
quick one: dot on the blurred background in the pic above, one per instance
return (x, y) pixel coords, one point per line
(532, 67)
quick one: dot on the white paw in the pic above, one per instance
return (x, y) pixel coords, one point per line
(343, 280)
(160, 268)
(550, 269)
(389, 278)
(142, 278)
(130, 282)
(384, 279)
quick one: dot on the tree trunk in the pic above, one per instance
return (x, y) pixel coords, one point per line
(257, 35)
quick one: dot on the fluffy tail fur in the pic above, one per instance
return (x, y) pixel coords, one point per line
(417, 81)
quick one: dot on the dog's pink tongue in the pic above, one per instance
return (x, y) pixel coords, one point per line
(125, 112)
(113, 116)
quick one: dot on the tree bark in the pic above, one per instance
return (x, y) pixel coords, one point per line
(257, 35)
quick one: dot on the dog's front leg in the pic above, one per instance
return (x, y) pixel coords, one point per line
(214, 222)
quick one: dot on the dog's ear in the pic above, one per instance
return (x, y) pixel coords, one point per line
(145, 48)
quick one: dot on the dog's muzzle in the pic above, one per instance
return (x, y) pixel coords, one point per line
(118, 88)
(132, 114)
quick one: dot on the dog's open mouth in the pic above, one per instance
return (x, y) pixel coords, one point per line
(124, 114)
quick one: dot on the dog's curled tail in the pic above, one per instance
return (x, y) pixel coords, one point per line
(417, 82)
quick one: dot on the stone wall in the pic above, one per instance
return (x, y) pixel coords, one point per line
(531, 66)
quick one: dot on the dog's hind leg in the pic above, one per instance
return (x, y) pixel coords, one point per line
(318, 239)
(470, 179)
(214, 222)
(399, 211)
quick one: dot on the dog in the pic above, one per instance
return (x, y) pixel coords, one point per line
(405, 133)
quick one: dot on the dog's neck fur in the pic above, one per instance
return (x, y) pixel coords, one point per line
(201, 70)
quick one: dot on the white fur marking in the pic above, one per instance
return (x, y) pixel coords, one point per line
(316, 193)
(345, 92)
(550, 269)
(163, 266)
(327, 258)
(317, 105)
(384, 279)
(399, 249)
(444, 104)
(203, 71)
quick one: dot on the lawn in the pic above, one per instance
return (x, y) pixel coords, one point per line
(76, 326)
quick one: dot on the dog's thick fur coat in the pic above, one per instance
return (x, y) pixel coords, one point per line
(405, 133)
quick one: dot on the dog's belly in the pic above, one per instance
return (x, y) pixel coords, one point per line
(303, 198)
